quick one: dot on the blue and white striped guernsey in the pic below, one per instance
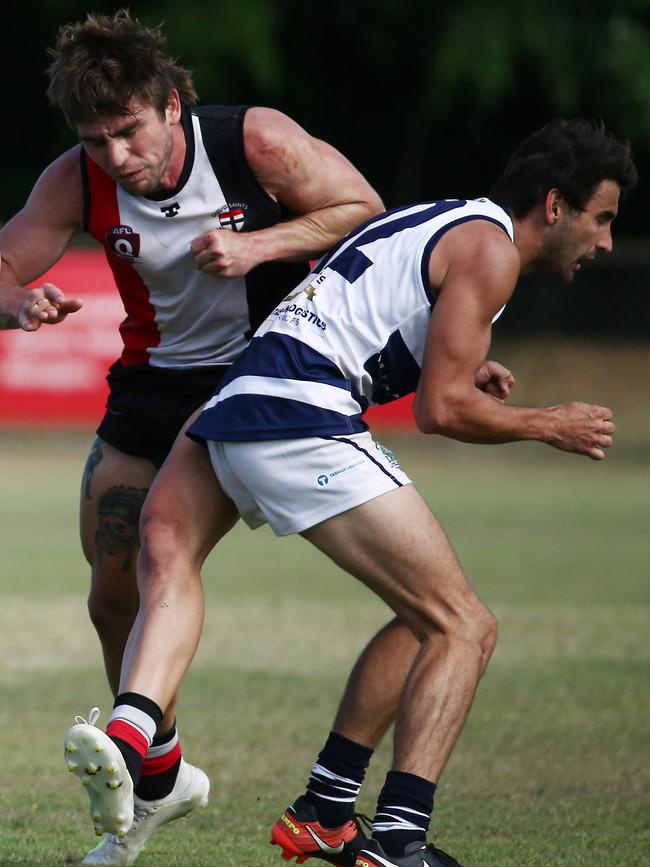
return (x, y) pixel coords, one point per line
(350, 336)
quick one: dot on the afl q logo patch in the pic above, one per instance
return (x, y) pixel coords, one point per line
(322, 481)
(123, 241)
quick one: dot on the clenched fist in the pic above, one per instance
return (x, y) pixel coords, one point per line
(224, 253)
(495, 379)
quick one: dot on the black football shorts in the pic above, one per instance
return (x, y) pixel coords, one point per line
(147, 406)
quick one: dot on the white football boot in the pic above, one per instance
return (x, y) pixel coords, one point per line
(190, 790)
(93, 757)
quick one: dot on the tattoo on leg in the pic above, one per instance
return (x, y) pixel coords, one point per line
(94, 458)
(118, 513)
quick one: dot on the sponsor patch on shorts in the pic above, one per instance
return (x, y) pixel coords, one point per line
(391, 457)
(325, 478)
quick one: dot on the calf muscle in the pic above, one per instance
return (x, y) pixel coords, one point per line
(396, 546)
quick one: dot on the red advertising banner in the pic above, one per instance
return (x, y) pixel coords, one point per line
(56, 376)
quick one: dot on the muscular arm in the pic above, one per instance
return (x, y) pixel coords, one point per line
(480, 274)
(34, 240)
(306, 175)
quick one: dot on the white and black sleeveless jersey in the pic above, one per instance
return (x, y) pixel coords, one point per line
(178, 317)
(351, 335)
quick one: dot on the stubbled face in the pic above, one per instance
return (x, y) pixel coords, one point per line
(138, 150)
(579, 235)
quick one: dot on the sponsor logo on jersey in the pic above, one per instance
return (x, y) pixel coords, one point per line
(171, 210)
(323, 480)
(295, 314)
(123, 241)
(309, 291)
(231, 216)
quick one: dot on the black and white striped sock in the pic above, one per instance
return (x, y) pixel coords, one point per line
(336, 779)
(403, 811)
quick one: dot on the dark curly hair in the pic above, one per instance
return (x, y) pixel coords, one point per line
(573, 156)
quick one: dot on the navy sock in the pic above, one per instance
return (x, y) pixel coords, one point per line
(336, 779)
(403, 812)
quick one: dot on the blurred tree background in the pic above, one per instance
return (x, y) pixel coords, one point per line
(428, 99)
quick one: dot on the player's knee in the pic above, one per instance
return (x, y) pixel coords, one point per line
(172, 541)
(467, 621)
(163, 543)
(478, 626)
(112, 612)
(156, 530)
(489, 634)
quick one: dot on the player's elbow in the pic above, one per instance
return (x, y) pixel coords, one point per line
(366, 205)
(426, 421)
(373, 204)
(442, 414)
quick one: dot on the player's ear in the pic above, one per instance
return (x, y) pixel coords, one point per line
(553, 206)
(173, 107)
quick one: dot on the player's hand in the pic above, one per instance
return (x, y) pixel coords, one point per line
(494, 379)
(45, 304)
(582, 428)
(224, 253)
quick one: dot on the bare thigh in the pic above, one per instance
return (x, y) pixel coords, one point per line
(395, 546)
(113, 490)
(186, 511)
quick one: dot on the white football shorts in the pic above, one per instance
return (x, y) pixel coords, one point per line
(293, 484)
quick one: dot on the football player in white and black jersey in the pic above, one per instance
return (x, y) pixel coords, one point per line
(208, 217)
(404, 303)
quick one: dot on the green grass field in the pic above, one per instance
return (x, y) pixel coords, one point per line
(552, 767)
